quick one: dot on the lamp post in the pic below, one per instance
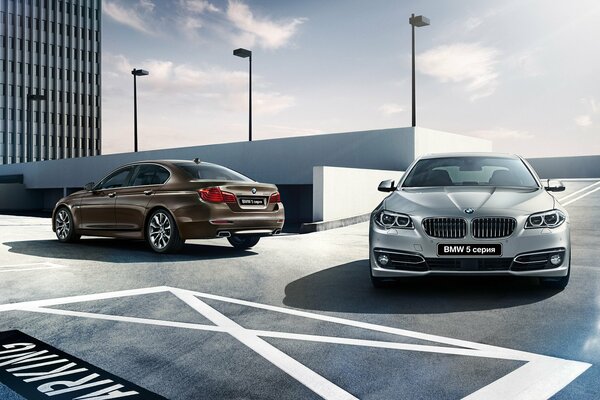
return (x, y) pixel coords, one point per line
(136, 73)
(243, 53)
(31, 97)
(417, 21)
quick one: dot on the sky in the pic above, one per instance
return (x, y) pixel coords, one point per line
(524, 74)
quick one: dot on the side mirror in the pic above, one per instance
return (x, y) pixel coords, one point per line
(89, 186)
(387, 186)
(554, 186)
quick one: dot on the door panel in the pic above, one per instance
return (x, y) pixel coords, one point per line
(98, 210)
(130, 206)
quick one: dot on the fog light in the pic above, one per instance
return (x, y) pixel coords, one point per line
(556, 259)
(383, 259)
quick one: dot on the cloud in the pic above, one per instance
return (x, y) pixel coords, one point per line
(391, 108)
(502, 133)
(468, 63)
(131, 17)
(583, 120)
(199, 6)
(262, 31)
(169, 81)
(472, 23)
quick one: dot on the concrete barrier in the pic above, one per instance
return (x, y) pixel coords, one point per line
(567, 167)
(340, 193)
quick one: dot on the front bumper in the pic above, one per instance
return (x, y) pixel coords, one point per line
(526, 252)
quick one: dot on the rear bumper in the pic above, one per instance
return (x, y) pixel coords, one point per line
(223, 223)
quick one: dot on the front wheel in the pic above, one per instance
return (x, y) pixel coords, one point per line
(162, 233)
(557, 283)
(243, 242)
(64, 226)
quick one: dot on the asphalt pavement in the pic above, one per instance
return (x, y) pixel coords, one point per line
(296, 317)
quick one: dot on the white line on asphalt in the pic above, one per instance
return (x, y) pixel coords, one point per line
(525, 383)
(547, 375)
(283, 335)
(29, 267)
(297, 370)
(579, 191)
(582, 196)
(81, 298)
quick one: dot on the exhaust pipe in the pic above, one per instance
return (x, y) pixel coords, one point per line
(277, 232)
(224, 234)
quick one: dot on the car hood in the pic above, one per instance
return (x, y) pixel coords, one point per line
(484, 200)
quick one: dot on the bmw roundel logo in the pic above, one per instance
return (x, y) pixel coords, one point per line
(253, 190)
(469, 210)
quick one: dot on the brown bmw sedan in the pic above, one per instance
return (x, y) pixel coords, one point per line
(167, 202)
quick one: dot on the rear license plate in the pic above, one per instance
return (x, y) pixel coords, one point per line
(492, 249)
(252, 201)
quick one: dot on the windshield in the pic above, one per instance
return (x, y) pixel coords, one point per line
(212, 172)
(470, 171)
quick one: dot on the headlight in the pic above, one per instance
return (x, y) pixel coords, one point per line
(391, 220)
(548, 219)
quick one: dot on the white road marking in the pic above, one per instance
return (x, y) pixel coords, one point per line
(579, 191)
(297, 370)
(29, 267)
(582, 196)
(540, 378)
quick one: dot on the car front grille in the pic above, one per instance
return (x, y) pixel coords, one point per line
(493, 228)
(445, 227)
(469, 264)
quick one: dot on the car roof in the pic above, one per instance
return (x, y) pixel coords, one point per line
(470, 154)
(167, 163)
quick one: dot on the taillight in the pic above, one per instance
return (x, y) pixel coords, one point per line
(275, 198)
(216, 195)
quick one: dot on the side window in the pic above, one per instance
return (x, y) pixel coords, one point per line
(117, 179)
(150, 175)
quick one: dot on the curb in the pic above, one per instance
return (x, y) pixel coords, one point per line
(338, 223)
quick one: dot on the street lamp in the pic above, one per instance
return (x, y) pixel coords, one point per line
(136, 73)
(417, 21)
(247, 54)
(31, 97)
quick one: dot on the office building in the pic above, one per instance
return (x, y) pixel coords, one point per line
(49, 79)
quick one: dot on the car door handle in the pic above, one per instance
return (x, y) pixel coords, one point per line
(148, 192)
(112, 194)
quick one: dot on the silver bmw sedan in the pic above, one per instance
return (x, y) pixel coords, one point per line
(470, 213)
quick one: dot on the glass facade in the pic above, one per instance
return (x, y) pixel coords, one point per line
(49, 79)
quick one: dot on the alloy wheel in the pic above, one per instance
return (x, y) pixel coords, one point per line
(63, 224)
(160, 230)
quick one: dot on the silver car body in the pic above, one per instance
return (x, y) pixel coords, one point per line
(487, 211)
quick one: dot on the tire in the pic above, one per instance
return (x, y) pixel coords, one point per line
(557, 283)
(243, 242)
(378, 283)
(65, 228)
(162, 234)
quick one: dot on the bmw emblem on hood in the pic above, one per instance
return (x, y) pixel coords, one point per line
(469, 210)
(253, 190)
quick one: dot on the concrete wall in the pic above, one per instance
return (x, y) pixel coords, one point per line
(286, 161)
(347, 192)
(15, 196)
(431, 141)
(567, 167)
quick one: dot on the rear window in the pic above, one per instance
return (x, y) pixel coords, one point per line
(212, 172)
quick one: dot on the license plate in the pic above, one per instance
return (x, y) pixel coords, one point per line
(492, 249)
(250, 201)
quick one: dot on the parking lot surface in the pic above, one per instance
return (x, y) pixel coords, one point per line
(296, 317)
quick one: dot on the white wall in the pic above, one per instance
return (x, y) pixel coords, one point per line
(347, 192)
(431, 141)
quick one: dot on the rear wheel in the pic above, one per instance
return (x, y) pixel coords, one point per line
(64, 226)
(243, 242)
(162, 234)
